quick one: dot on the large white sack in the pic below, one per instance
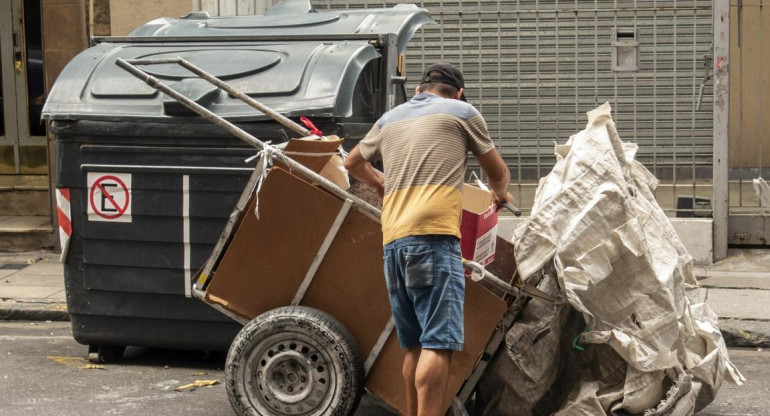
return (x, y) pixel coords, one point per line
(620, 263)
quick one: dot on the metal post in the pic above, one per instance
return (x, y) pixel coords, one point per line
(389, 55)
(721, 126)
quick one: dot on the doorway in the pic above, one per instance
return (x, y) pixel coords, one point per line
(22, 135)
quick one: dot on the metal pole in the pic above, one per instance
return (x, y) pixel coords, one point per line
(246, 137)
(284, 121)
(721, 167)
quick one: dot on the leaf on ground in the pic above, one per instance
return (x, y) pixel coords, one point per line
(200, 373)
(197, 383)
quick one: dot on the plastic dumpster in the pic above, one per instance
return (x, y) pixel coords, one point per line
(151, 185)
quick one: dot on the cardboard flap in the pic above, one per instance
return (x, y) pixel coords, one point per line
(476, 200)
(296, 147)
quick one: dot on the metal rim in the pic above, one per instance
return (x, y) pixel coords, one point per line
(290, 374)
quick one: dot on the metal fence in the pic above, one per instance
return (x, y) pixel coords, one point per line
(534, 67)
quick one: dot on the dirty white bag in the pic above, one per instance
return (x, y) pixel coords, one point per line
(621, 265)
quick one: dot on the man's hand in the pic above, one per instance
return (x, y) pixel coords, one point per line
(499, 202)
(362, 170)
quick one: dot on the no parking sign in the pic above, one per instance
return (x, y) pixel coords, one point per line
(109, 197)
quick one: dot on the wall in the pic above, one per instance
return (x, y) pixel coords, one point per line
(750, 87)
(64, 36)
(127, 15)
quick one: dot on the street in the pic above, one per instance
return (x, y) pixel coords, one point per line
(43, 372)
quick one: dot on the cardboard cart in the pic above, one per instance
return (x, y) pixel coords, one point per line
(306, 280)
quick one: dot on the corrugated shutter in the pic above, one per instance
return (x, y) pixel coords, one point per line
(534, 68)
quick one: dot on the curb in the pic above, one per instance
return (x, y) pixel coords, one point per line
(33, 311)
(745, 333)
(737, 333)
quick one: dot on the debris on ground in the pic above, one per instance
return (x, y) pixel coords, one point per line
(628, 341)
(196, 384)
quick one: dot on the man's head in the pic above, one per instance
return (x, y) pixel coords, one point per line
(444, 80)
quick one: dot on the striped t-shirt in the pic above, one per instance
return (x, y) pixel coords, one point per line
(423, 144)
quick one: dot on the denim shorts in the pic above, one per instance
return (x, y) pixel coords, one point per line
(426, 286)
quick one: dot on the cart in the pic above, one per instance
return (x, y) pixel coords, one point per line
(317, 326)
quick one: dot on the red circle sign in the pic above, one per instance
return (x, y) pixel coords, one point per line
(119, 210)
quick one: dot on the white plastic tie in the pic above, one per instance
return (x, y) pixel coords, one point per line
(267, 157)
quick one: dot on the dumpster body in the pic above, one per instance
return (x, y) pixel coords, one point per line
(151, 185)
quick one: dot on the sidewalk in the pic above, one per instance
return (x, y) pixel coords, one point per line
(737, 289)
(32, 287)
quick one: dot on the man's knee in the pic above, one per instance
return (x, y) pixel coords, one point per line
(432, 368)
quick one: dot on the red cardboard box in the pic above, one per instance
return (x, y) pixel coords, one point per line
(479, 225)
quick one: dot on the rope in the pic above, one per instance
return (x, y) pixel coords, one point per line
(267, 157)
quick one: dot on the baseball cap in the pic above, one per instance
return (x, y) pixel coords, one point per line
(450, 76)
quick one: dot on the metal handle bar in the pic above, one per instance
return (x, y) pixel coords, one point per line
(479, 273)
(280, 118)
(512, 208)
(130, 66)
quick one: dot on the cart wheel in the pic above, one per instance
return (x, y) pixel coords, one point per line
(294, 361)
(105, 353)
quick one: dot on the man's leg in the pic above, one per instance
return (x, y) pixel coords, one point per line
(408, 372)
(431, 381)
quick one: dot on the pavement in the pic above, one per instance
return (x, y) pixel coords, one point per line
(737, 289)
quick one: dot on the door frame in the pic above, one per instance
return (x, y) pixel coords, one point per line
(14, 85)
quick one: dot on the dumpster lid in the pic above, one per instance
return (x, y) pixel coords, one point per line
(294, 17)
(294, 73)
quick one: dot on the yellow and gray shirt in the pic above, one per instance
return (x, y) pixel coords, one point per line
(423, 144)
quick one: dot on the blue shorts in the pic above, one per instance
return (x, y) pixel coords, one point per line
(426, 286)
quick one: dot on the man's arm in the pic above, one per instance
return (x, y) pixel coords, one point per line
(362, 170)
(498, 173)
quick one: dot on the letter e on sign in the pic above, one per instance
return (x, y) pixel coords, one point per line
(109, 197)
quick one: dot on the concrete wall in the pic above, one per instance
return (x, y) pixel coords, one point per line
(750, 86)
(127, 15)
(696, 235)
(64, 36)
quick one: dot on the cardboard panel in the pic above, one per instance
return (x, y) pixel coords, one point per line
(350, 283)
(504, 265)
(267, 258)
(314, 163)
(483, 311)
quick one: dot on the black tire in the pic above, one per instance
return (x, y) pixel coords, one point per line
(295, 361)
